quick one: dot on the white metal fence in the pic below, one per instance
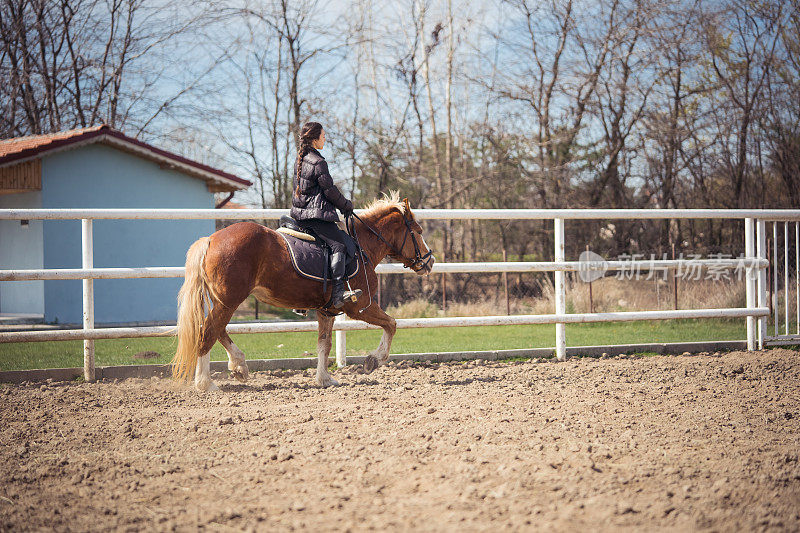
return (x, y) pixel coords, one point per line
(755, 263)
(790, 335)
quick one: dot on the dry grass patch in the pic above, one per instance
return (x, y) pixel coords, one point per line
(609, 294)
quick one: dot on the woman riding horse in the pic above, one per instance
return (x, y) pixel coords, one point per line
(223, 269)
(314, 205)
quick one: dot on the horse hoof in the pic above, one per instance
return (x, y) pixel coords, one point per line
(370, 364)
(327, 383)
(206, 386)
(241, 373)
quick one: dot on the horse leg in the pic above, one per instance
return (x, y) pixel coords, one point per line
(213, 326)
(325, 329)
(376, 316)
(236, 362)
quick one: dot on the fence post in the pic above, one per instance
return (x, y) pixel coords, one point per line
(341, 344)
(505, 284)
(87, 253)
(675, 281)
(786, 277)
(561, 294)
(749, 282)
(774, 298)
(444, 286)
(761, 251)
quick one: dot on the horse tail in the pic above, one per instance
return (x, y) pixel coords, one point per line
(193, 300)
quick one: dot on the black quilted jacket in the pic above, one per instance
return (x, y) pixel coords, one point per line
(318, 196)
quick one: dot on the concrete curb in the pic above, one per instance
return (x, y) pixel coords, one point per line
(300, 363)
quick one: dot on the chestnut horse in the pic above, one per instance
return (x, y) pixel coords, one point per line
(247, 258)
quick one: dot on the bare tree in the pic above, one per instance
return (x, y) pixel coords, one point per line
(741, 65)
(621, 100)
(556, 76)
(780, 120)
(426, 72)
(76, 63)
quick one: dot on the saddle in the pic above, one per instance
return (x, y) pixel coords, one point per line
(289, 226)
(310, 255)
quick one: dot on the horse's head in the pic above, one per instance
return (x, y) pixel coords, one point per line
(403, 235)
(414, 251)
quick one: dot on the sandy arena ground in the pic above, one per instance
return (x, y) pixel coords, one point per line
(662, 443)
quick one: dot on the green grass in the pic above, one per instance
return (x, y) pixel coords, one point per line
(20, 356)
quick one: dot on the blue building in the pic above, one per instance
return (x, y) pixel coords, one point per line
(99, 167)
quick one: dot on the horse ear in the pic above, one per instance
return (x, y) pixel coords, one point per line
(408, 207)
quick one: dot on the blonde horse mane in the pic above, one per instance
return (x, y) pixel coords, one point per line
(385, 203)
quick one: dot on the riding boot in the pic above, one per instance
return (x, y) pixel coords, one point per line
(340, 295)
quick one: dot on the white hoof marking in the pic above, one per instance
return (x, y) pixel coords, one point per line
(206, 386)
(326, 381)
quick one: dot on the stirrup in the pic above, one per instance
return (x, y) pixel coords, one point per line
(353, 296)
(350, 294)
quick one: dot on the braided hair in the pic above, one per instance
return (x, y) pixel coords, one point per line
(308, 133)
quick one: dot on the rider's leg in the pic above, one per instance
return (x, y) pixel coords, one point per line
(334, 237)
(338, 259)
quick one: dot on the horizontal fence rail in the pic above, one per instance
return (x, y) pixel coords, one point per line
(396, 268)
(402, 323)
(423, 214)
(754, 263)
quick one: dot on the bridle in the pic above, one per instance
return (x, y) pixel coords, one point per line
(418, 263)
